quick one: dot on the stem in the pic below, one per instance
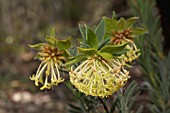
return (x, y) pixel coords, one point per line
(104, 105)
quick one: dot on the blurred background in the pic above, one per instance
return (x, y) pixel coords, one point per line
(24, 22)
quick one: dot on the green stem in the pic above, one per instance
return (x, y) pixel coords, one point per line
(104, 105)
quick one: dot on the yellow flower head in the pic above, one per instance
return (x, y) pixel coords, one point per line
(124, 31)
(126, 37)
(52, 55)
(98, 77)
(51, 61)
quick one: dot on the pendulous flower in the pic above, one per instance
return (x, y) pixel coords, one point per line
(51, 61)
(123, 31)
(98, 77)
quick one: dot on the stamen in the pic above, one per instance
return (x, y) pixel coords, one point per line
(106, 64)
(80, 66)
(53, 72)
(58, 73)
(41, 71)
(83, 68)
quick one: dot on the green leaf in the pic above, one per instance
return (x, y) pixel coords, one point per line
(113, 48)
(36, 46)
(104, 43)
(110, 25)
(113, 106)
(82, 44)
(100, 31)
(52, 33)
(140, 109)
(83, 32)
(121, 24)
(114, 16)
(105, 55)
(91, 38)
(66, 53)
(51, 40)
(138, 31)
(75, 60)
(76, 108)
(123, 51)
(73, 111)
(87, 51)
(131, 21)
(64, 44)
(108, 35)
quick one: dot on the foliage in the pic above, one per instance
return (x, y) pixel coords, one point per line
(154, 63)
(123, 102)
(126, 101)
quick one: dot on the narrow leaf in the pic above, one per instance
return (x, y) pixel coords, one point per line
(113, 48)
(104, 43)
(105, 55)
(83, 32)
(140, 109)
(114, 16)
(91, 38)
(64, 44)
(87, 51)
(37, 46)
(121, 24)
(100, 31)
(52, 32)
(51, 40)
(114, 104)
(138, 31)
(110, 25)
(66, 53)
(74, 107)
(75, 60)
(131, 21)
(108, 35)
(72, 111)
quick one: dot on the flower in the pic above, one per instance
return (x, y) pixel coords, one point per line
(123, 31)
(98, 77)
(132, 53)
(121, 37)
(51, 59)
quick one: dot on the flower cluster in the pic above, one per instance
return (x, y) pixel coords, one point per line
(98, 67)
(52, 58)
(103, 55)
(123, 31)
(98, 77)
